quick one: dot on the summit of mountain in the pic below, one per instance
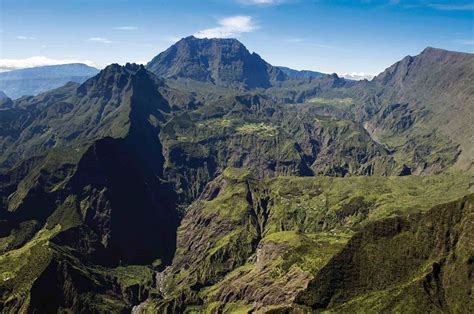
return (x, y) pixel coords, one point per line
(220, 61)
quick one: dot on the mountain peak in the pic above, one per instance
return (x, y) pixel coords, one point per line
(117, 77)
(442, 55)
(192, 40)
(427, 63)
(433, 50)
(220, 61)
(213, 39)
(128, 68)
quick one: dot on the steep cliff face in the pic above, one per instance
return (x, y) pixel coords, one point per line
(422, 262)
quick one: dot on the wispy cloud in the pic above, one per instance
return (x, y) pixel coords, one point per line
(453, 6)
(126, 28)
(25, 38)
(100, 40)
(467, 42)
(437, 5)
(14, 64)
(261, 2)
(231, 26)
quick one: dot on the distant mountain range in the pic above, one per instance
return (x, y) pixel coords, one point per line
(210, 181)
(33, 81)
(300, 73)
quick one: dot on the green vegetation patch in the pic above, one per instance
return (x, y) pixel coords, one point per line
(19, 268)
(133, 275)
(231, 201)
(307, 252)
(216, 123)
(330, 122)
(315, 204)
(331, 101)
(260, 129)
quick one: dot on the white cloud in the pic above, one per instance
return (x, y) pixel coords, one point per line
(357, 76)
(25, 37)
(14, 64)
(126, 28)
(100, 40)
(231, 26)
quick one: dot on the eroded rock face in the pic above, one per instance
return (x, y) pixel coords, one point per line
(258, 285)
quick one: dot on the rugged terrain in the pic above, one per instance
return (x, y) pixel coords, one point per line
(211, 181)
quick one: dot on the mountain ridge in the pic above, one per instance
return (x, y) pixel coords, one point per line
(300, 73)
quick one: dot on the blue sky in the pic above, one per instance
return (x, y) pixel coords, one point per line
(360, 36)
